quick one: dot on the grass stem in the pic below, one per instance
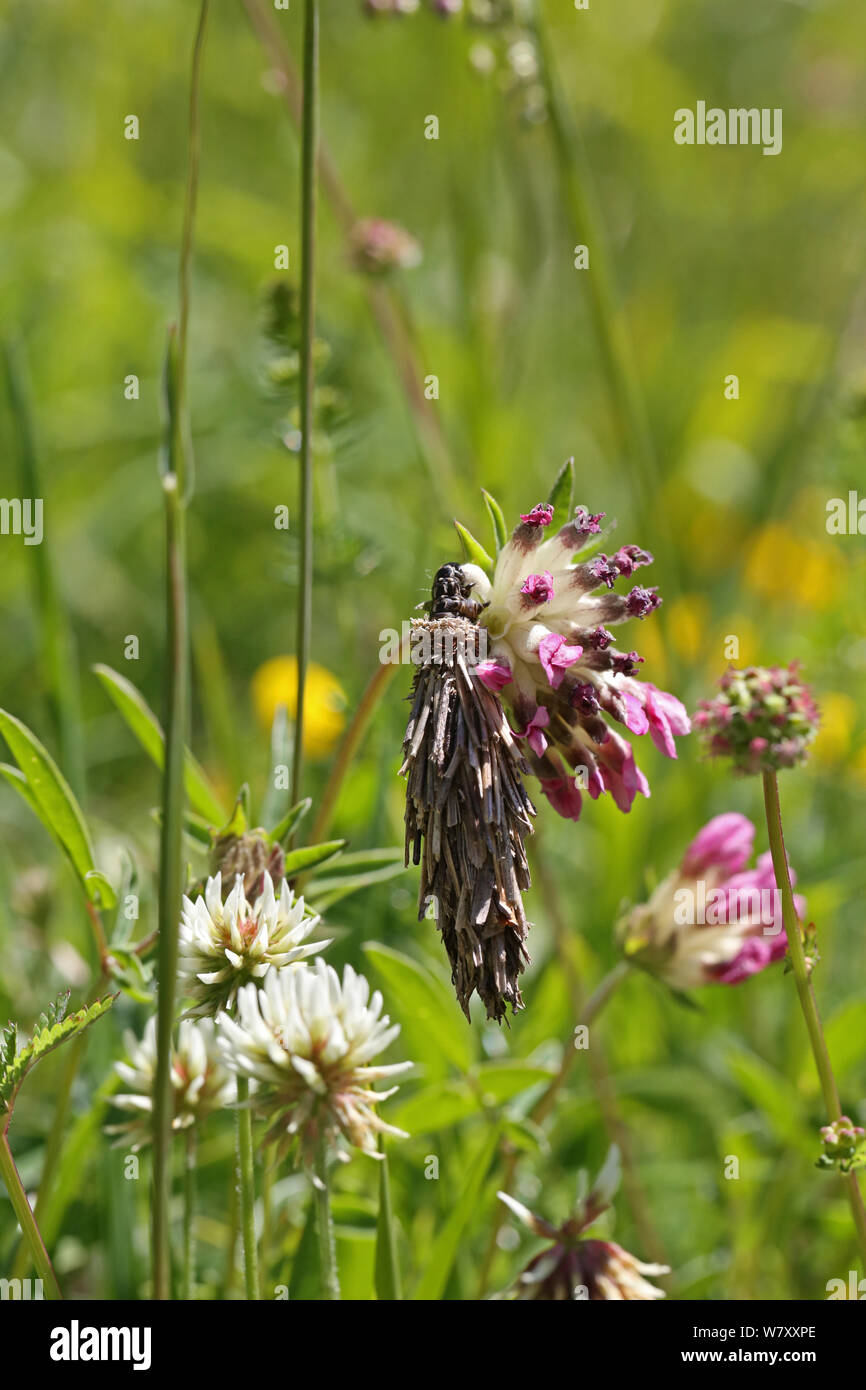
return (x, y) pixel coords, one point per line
(309, 158)
(177, 474)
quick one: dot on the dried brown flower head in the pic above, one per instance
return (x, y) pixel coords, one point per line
(467, 811)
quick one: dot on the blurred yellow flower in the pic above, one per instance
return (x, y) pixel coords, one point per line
(275, 684)
(782, 566)
(838, 718)
(687, 618)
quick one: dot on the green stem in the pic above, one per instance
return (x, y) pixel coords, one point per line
(388, 1282)
(26, 1219)
(191, 200)
(325, 1224)
(189, 1204)
(247, 1189)
(177, 472)
(171, 875)
(805, 992)
(309, 155)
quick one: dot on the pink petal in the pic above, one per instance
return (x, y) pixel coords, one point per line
(556, 656)
(563, 795)
(667, 717)
(493, 674)
(635, 717)
(724, 843)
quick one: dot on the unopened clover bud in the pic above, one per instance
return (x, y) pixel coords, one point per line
(251, 855)
(763, 719)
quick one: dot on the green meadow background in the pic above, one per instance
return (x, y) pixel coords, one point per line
(708, 262)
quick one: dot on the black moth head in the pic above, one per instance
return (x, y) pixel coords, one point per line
(451, 591)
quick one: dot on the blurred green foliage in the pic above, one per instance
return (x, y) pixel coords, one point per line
(726, 262)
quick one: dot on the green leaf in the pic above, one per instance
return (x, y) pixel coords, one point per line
(387, 1276)
(363, 859)
(433, 1108)
(238, 821)
(561, 494)
(302, 860)
(49, 796)
(773, 1096)
(474, 550)
(306, 1278)
(427, 1010)
(324, 892)
(443, 1252)
(606, 1185)
(283, 829)
(144, 724)
(494, 511)
(500, 1081)
(50, 1030)
(131, 974)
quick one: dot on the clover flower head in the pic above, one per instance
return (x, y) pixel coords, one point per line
(224, 945)
(843, 1145)
(713, 920)
(764, 718)
(309, 1039)
(377, 247)
(251, 855)
(574, 1267)
(200, 1082)
(551, 658)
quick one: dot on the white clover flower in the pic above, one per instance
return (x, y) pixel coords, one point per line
(308, 1039)
(226, 945)
(553, 663)
(200, 1081)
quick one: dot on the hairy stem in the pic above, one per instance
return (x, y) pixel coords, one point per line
(247, 1189)
(805, 992)
(384, 301)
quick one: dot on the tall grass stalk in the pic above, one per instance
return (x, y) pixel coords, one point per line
(177, 482)
(309, 184)
(805, 992)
